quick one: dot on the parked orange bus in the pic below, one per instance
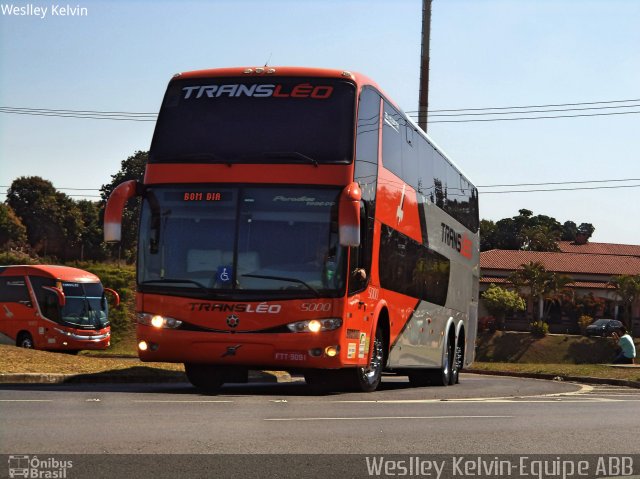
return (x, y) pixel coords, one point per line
(55, 308)
(295, 219)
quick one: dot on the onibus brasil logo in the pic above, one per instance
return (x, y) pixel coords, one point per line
(33, 467)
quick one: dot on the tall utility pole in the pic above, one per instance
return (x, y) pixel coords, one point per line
(423, 102)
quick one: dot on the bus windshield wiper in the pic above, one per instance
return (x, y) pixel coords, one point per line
(292, 154)
(280, 278)
(172, 280)
(295, 155)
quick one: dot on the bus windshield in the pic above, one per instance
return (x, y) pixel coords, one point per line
(85, 306)
(211, 240)
(255, 120)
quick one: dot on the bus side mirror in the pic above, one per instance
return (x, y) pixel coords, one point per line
(349, 215)
(115, 206)
(116, 296)
(62, 300)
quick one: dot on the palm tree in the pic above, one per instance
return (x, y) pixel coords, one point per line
(537, 284)
(556, 289)
(627, 290)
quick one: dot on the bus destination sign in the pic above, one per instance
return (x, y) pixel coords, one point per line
(203, 196)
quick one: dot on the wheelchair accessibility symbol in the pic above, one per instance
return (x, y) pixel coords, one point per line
(224, 274)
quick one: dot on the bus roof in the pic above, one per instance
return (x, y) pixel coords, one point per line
(278, 71)
(63, 273)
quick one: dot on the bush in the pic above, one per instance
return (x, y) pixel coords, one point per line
(539, 328)
(16, 257)
(123, 280)
(584, 321)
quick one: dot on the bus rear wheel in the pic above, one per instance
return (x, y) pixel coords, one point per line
(25, 341)
(443, 376)
(457, 362)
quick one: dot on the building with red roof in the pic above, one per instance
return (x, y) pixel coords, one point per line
(591, 266)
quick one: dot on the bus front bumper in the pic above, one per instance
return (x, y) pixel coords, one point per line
(279, 350)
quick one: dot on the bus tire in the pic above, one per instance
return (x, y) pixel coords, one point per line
(442, 376)
(25, 340)
(456, 365)
(367, 379)
(205, 377)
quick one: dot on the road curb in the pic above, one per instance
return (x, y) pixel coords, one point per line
(559, 377)
(114, 377)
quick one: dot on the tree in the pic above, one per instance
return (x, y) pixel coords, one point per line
(529, 232)
(627, 290)
(500, 302)
(569, 230)
(12, 231)
(91, 244)
(487, 235)
(130, 169)
(52, 220)
(586, 229)
(539, 238)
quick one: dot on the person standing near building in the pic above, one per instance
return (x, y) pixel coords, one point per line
(627, 348)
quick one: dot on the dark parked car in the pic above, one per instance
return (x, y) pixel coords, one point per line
(602, 327)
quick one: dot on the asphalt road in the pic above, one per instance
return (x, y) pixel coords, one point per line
(483, 414)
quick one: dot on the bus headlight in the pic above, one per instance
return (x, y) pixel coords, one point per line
(158, 321)
(315, 325)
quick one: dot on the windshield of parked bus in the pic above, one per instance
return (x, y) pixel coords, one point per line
(256, 120)
(212, 240)
(85, 306)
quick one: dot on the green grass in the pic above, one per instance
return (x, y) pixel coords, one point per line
(553, 355)
(512, 347)
(564, 371)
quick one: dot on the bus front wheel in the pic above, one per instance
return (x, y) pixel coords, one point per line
(204, 377)
(24, 341)
(367, 379)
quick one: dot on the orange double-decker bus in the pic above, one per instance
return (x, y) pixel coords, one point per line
(55, 308)
(296, 219)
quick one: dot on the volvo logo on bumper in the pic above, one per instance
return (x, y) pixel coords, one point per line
(233, 321)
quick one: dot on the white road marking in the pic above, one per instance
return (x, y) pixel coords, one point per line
(173, 401)
(379, 418)
(584, 389)
(26, 400)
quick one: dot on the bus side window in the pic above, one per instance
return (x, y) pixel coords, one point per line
(49, 306)
(13, 289)
(47, 300)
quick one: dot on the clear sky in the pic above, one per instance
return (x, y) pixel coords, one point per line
(484, 53)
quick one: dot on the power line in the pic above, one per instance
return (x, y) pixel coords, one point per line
(479, 186)
(533, 106)
(151, 116)
(87, 117)
(71, 189)
(560, 189)
(559, 183)
(118, 113)
(536, 111)
(534, 117)
(78, 196)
